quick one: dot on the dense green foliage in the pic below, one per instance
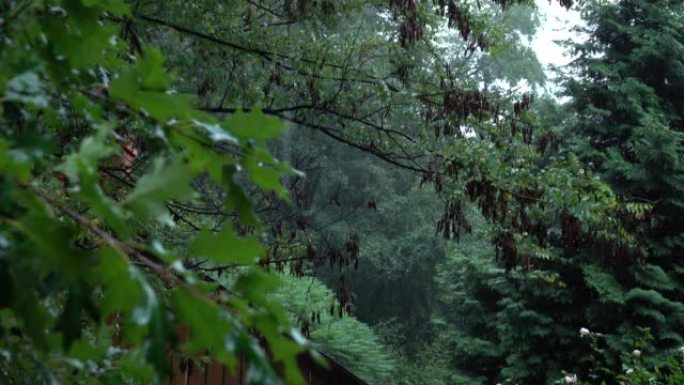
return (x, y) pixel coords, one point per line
(637, 368)
(360, 173)
(625, 122)
(350, 342)
(630, 129)
(95, 146)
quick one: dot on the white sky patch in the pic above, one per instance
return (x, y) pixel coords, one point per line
(467, 132)
(556, 24)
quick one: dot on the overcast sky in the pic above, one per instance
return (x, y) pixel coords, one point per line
(556, 23)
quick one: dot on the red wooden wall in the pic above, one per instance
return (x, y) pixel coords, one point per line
(215, 374)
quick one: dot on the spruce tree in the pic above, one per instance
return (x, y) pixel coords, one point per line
(627, 97)
(626, 126)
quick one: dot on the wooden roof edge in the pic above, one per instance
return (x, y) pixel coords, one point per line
(335, 364)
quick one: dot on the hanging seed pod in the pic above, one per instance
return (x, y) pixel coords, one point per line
(509, 251)
(310, 251)
(566, 3)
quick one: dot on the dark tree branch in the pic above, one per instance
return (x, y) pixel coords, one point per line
(329, 131)
(267, 55)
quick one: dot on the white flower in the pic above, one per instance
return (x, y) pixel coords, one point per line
(571, 378)
(636, 353)
(629, 371)
(584, 332)
(681, 349)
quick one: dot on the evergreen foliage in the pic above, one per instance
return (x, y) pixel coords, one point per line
(347, 340)
(626, 125)
(417, 219)
(630, 130)
(96, 149)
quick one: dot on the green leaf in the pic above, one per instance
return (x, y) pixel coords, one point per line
(82, 168)
(114, 6)
(121, 283)
(48, 236)
(211, 328)
(133, 366)
(236, 199)
(107, 208)
(604, 283)
(227, 247)
(200, 157)
(256, 285)
(82, 36)
(14, 163)
(157, 343)
(151, 72)
(265, 171)
(71, 319)
(254, 125)
(161, 106)
(145, 87)
(25, 303)
(92, 149)
(167, 180)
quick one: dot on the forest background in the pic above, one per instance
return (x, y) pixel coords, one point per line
(364, 178)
